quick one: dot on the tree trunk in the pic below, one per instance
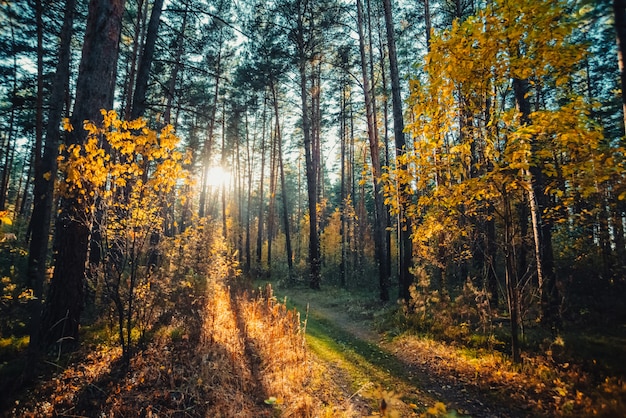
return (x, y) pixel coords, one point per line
(404, 196)
(45, 175)
(511, 279)
(542, 228)
(619, 9)
(259, 237)
(143, 73)
(379, 219)
(171, 83)
(311, 155)
(129, 82)
(342, 191)
(490, 261)
(248, 263)
(94, 91)
(208, 144)
(279, 140)
(427, 23)
(271, 212)
(10, 143)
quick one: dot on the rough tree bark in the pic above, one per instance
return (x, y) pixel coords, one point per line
(379, 219)
(145, 63)
(45, 175)
(404, 223)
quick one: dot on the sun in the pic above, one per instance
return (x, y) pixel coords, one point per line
(217, 176)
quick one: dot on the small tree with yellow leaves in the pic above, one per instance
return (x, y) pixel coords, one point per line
(129, 173)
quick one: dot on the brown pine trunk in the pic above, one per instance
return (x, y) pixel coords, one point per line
(259, 237)
(279, 140)
(247, 244)
(311, 154)
(45, 175)
(379, 219)
(94, 91)
(131, 71)
(404, 223)
(271, 213)
(171, 83)
(145, 63)
(343, 181)
(208, 144)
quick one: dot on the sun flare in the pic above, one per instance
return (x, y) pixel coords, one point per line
(217, 176)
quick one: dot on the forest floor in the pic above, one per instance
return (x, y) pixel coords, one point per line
(236, 353)
(342, 333)
(418, 373)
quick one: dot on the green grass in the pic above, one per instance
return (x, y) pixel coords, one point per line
(366, 365)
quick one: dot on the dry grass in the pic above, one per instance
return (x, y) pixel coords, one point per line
(246, 358)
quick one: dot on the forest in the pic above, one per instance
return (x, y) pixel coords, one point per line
(312, 208)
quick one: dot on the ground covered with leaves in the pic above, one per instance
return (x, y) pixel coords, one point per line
(448, 378)
(228, 351)
(242, 355)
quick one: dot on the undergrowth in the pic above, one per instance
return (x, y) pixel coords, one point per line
(460, 335)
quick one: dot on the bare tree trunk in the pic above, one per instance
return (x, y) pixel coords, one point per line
(259, 238)
(542, 228)
(342, 193)
(404, 222)
(248, 263)
(279, 141)
(427, 23)
(379, 226)
(271, 213)
(45, 175)
(511, 278)
(619, 9)
(129, 83)
(208, 144)
(145, 63)
(311, 154)
(171, 83)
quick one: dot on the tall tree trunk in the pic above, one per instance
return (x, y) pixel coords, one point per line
(271, 213)
(95, 88)
(619, 9)
(379, 219)
(208, 144)
(45, 175)
(404, 195)
(343, 231)
(129, 83)
(511, 278)
(542, 228)
(145, 63)
(311, 155)
(248, 263)
(490, 260)
(171, 83)
(10, 143)
(259, 237)
(279, 141)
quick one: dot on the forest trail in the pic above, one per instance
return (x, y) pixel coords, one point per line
(372, 367)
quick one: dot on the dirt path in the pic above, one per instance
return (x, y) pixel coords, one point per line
(370, 364)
